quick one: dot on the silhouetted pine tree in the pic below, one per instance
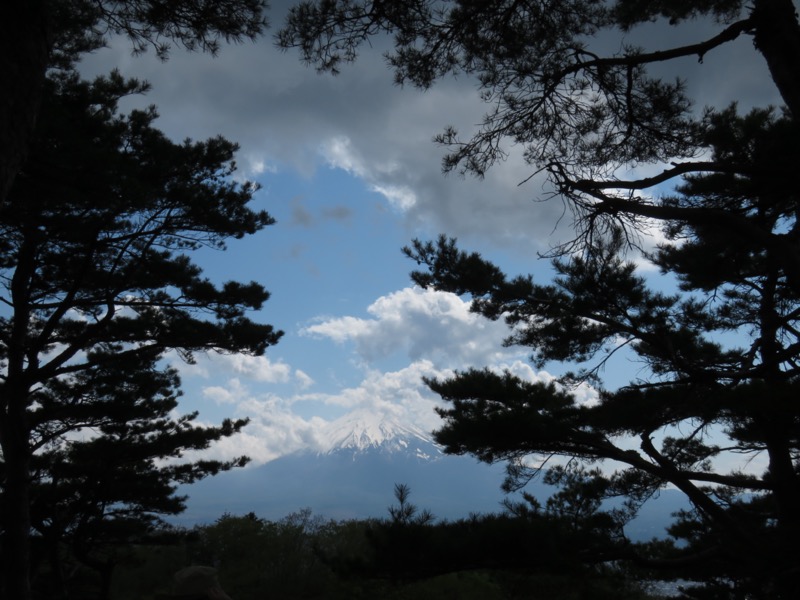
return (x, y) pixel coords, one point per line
(98, 286)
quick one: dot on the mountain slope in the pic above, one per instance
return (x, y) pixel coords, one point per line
(361, 433)
(352, 474)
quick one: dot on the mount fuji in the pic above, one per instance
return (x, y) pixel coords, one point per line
(351, 474)
(363, 433)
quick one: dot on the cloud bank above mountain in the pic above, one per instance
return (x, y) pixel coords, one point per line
(293, 124)
(428, 333)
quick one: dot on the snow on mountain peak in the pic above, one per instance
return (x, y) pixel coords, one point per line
(362, 431)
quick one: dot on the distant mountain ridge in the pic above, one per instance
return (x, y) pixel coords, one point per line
(352, 472)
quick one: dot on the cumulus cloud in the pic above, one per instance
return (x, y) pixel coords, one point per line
(422, 324)
(257, 368)
(260, 369)
(233, 393)
(273, 431)
(401, 394)
(303, 379)
(277, 429)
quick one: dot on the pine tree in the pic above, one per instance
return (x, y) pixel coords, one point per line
(717, 370)
(98, 285)
(36, 34)
(578, 112)
(717, 357)
(108, 486)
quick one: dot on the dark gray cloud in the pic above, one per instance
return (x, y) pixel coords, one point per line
(285, 115)
(338, 213)
(300, 216)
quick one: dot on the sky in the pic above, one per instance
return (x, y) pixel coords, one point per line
(349, 170)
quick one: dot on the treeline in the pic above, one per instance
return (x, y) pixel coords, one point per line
(517, 554)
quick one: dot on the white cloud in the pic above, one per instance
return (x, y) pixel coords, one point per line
(256, 368)
(339, 153)
(256, 165)
(303, 380)
(233, 393)
(401, 394)
(272, 432)
(276, 429)
(422, 324)
(399, 196)
(251, 368)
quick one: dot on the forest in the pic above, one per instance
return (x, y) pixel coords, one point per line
(407, 554)
(103, 217)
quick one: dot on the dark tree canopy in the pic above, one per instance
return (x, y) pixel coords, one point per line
(713, 381)
(95, 239)
(37, 34)
(578, 114)
(714, 375)
(94, 497)
(97, 285)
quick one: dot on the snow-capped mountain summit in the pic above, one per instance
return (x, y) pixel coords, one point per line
(351, 473)
(362, 432)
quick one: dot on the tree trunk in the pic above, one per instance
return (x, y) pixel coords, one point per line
(24, 54)
(777, 37)
(16, 513)
(15, 433)
(58, 585)
(106, 574)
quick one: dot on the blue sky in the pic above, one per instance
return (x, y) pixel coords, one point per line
(349, 170)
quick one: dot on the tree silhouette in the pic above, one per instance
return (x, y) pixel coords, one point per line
(579, 113)
(717, 358)
(98, 286)
(36, 34)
